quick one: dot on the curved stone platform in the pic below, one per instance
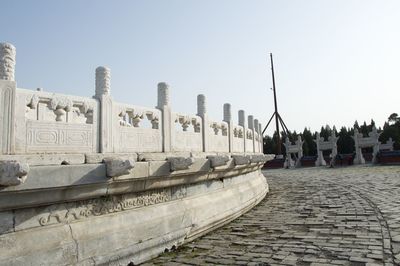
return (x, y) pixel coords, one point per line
(125, 219)
(89, 180)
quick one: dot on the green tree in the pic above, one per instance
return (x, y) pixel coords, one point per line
(345, 142)
(393, 118)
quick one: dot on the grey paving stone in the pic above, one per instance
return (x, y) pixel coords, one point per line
(312, 216)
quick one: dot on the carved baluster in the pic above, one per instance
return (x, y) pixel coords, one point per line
(196, 125)
(136, 118)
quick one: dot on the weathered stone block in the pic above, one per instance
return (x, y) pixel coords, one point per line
(46, 159)
(141, 170)
(216, 161)
(13, 173)
(116, 166)
(160, 156)
(258, 158)
(180, 163)
(241, 159)
(94, 158)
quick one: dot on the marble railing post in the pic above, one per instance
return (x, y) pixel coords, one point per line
(164, 105)
(106, 125)
(202, 112)
(242, 122)
(250, 120)
(256, 143)
(261, 138)
(8, 89)
(228, 119)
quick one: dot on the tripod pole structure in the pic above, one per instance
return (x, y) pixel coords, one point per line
(278, 151)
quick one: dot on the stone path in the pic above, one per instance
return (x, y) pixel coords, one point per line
(312, 216)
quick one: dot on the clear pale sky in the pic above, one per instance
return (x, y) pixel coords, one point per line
(335, 61)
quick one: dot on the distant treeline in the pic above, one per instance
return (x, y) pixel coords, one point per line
(391, 129)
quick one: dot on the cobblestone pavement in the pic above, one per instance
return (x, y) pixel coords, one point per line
(312, 216)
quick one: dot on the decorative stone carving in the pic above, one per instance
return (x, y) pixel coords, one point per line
(117, 166)
(242, 118)
(60, 106)
(103, 81)
(255, 123)
(235, 132)
(297, 148)
(87, 111)
(250, 120)
(218, 160)
(224, 129)
(201, 105)
(241, 159)
(163, 94)
(33, 101)
(387, 146)
(136, 118)
(196, 125)
(13, 173)
(101, 206)
(7, 61)
(215, 127)
(123, 117)
(129, 118)
(180, 163)
(240, 133)
(184, 121)
(371, 141)
(154, 120)
(249, 135)
(227, 112)
(326, 145)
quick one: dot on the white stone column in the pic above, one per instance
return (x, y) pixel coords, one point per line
(262, 138)
(164, 105)
(299, 144)
(250, 120)
(202, 112)
(320, 156)
(359, 159)
(8, 89)
(374, 135)
(256, 143)
(228, 119)
(333, 140)
(106, 120)
(242, 122)
(288, 161)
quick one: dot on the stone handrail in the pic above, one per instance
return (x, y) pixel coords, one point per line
(49, 122)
